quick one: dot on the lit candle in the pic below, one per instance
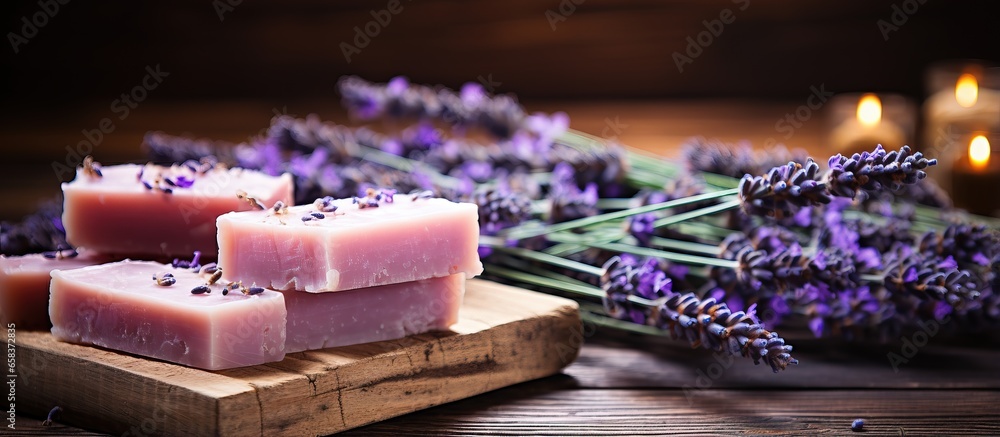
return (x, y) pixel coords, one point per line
(968, 104)
(866, 128)
(979, 152)
(976, 178)
(967, 91)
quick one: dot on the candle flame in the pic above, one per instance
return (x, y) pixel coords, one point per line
(979, 151)
(967, 90)
(870, 110)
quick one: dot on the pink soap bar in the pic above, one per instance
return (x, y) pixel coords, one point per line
(309, 248)
(119, 306)
(387, 312)
(24, 286)
(174, 216)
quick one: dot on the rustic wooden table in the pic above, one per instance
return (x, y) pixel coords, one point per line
(624, 384)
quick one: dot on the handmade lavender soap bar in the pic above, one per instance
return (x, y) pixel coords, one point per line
(149, 210)
(345, 244)
(121, 306)
(24, 285)
(387, 312)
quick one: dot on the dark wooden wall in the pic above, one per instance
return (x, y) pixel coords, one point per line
(227, 77)
(292, 49)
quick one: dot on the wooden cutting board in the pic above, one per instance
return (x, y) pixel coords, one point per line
(504, 336)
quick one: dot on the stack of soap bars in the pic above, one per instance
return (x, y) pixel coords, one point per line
(288, 278)
(138, 211)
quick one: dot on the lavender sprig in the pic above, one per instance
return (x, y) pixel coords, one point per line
(928, 277)
(703, 322)
(968, 244)
(783, 190)
(500, 115)
(867, 172)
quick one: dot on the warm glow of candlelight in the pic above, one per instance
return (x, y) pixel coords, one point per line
(979, 151)
(967, 90)
(870, 110)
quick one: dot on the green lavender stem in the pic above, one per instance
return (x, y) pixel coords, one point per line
(592, 314)
(528, 278)
(669, 256)
(686, 246)
(551, 259)
(518, 233)
(608, 203)
(708, 210)
(521, 265)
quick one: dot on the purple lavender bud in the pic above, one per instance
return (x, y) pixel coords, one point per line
(422, 137)
(194, 264)
(500, 209)
(927, 277)
(641, 227)
(37, 232)
(864, 173)
(165, 149)
(783, 190)
(361, 99)
(569, 202)
(774, 272)
(968, 244)
(501, 115)
(184, 181)
(713, 156)
(735, 159)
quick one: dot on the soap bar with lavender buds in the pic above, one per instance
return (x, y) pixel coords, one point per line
(24, 285)
(156, 211)
(387, 312)
(336, 245)
(152, 309)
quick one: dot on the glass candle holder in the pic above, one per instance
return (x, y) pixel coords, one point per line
(963, 98)
(858, 122)
(975, 174)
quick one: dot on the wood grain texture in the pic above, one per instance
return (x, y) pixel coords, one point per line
(531, 410)
(613, 359)
(504, 336)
